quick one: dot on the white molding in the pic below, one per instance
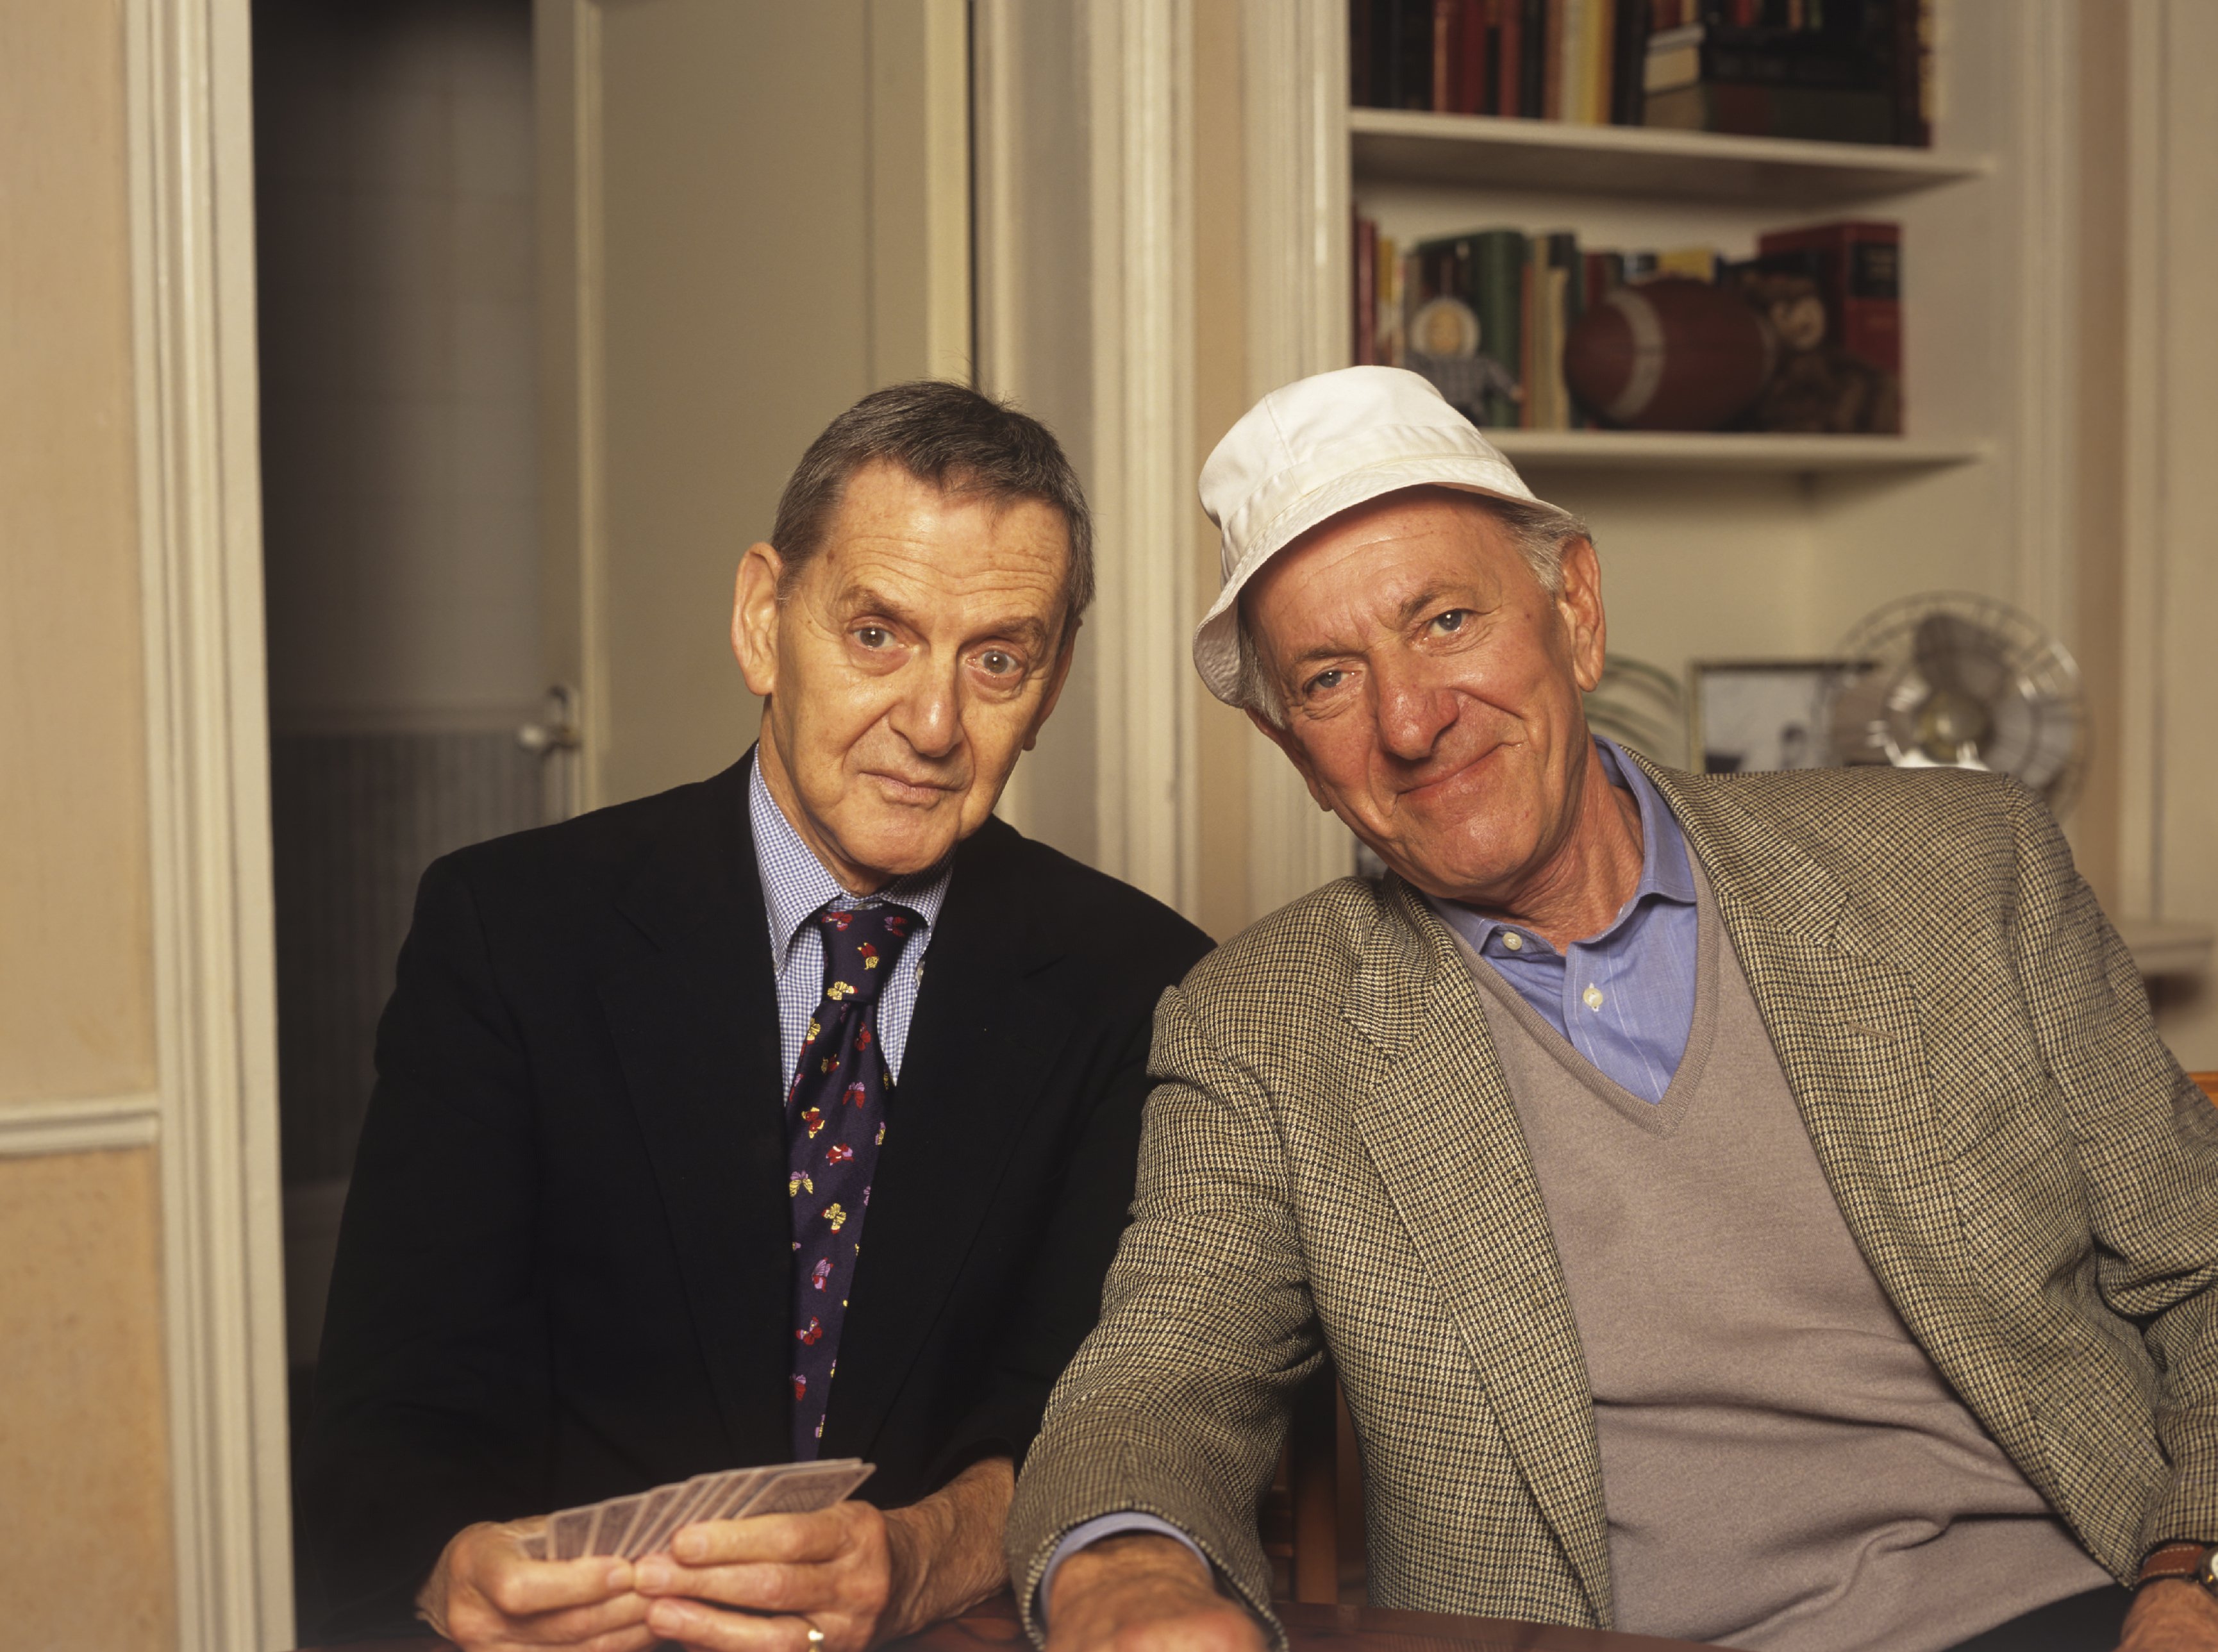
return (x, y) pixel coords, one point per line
(98, 1124)
(2145, 520)
(997, 263)
(192, 196)
(1294, 66)
(997, 253)
(1139, 138)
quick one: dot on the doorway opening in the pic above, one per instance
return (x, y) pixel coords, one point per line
(394, 173)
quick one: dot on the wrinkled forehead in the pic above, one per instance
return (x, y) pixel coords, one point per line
(943, 545)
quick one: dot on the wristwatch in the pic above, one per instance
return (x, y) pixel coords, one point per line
(2190, 1562)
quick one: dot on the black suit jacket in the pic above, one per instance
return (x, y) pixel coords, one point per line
(564, 1268)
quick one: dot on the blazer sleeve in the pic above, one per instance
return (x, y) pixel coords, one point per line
(1177, 1404)
(2147, 1144)
(431, 1403)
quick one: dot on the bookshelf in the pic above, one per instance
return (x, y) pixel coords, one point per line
(1724, 546)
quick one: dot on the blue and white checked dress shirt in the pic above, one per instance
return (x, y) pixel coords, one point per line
(1625, 998)
(795, 886)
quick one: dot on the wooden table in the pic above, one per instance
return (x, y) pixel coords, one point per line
(993, 1627)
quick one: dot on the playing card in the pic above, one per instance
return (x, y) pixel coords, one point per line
(677, 1512)
(653, 1505)
(613, 1525)
(804, 1488)
(573, 1530)
(740, 1486)
(644, 1522)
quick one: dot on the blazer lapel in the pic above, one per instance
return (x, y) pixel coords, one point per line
(1439, 1123)
(696, 1029)
(1850, 1032)
(982, 1035)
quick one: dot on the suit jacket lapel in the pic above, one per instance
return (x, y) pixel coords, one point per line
(983, 1033)
(1440, 1124)
(1850, 1032)
(696, 1029)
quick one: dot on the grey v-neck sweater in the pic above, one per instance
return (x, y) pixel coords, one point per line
(1782, 1466)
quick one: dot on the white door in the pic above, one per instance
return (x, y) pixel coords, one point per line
(752, 212)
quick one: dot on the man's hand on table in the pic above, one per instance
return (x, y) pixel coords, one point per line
(487, 1595)
(2172, 1616)
(1145, 1593)
(858, 1577)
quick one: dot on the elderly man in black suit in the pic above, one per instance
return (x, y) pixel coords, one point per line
(648, 1076)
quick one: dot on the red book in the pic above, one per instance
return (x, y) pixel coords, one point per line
(1472, 80)
(1858, 265)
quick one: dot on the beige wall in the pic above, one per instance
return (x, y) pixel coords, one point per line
(82, 1456)
(2145, 612)
(84, 1535)
(2096, 636)
(75, 1011)
(2172, 605)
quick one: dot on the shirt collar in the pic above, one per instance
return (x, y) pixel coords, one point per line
(795, 885)
(1665, 873)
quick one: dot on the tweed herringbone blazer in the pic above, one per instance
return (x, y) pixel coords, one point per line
(1331, 1161)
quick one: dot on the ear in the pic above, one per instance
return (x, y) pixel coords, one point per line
(1284, 741)
(1578, 605)
(754, 617)
(1058, 674)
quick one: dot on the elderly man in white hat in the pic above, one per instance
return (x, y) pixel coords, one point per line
(1752, 1209)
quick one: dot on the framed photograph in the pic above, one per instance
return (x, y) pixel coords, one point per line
(1744, 714)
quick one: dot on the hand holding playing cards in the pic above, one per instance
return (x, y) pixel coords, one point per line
(831, 1570)
(489, 1594)
(857, 1576)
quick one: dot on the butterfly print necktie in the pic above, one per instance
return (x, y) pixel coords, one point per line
(835, 1118)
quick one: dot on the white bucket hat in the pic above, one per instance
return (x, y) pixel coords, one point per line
(1311, 449)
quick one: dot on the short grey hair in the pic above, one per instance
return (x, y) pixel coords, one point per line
(957, 440)
(1541, 533)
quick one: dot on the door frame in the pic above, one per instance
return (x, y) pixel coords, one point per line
(189, 82)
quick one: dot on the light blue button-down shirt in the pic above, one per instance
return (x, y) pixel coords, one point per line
(795, 886)
(1625, 998)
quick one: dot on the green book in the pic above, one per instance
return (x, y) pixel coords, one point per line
(1497, 261)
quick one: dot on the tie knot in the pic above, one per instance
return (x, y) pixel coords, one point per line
(861, 946)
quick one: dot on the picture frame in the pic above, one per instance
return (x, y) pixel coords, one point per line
(1749, 715)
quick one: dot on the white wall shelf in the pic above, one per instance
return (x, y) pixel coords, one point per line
(1750, 452)
(1418, 147)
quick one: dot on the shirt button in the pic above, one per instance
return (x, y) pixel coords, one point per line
(1512, 940)
(1592, 997)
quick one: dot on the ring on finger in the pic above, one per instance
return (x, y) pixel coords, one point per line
(815, 1635)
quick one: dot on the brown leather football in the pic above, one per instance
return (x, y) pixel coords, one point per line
(1668, 354)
